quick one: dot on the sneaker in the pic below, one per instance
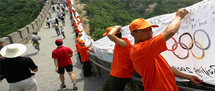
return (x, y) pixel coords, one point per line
(62, 86)
(75, 88)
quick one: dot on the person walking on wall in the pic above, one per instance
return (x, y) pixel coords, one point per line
(35, 41)
(57, 21)
(17, 69)
(62, 59)
(57, 29)
(155, 72)
(122, 68)
(62, 18)
(62, 31)
(48, 22)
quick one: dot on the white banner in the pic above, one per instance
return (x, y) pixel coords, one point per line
(190, 50)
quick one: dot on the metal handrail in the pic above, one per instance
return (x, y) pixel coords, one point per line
(107, 69)
(101, 66)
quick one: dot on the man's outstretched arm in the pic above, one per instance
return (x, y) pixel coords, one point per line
(192, 78)
(173, 27)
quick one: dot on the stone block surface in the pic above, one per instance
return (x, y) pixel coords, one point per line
(6, 40)
(15, 37)
(34, 25)
(30, 28)
(24, 32)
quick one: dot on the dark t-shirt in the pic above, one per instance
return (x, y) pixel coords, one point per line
(1, 47)
(2, 77)
(17, 69)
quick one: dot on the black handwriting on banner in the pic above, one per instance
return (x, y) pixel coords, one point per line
(201, 71)
(185, 69)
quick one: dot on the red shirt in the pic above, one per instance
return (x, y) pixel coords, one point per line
(84, 53)
(122, 66)
(153, 68)
(61, 53)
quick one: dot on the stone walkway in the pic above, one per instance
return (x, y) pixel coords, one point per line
(47, 79)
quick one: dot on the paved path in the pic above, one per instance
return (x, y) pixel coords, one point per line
(47, 79)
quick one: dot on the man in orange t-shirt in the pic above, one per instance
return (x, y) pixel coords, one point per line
(77, 45)
(85, 58)
(156, 73)
(79, 35)
(122, 68)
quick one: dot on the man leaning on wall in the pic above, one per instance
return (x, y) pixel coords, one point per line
(155, 72)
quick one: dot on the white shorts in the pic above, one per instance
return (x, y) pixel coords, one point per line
(28, 84)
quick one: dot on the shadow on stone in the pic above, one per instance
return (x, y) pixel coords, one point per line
(80, 79)
(54, 36)
(31, 54)
(47, 27)
(65, 89)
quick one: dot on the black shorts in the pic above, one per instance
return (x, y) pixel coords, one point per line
(68, 68)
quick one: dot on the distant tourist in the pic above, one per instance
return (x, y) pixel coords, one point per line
(53, 8)
(52, 21)
(35, 41)
(58, 14)
(58, 7)
(56, 21)
(62, 31)
(57, 29)
(48, 22)
(62, 18)
(17, 69)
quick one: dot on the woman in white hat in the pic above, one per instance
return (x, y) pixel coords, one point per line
(17, 69)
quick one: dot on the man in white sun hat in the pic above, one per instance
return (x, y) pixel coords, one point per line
(17, 69)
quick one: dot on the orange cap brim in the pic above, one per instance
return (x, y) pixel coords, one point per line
(104, 34)
(143, 27)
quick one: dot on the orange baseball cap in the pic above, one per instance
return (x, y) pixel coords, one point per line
(78, 39)
(81, 41)
(79, 34)
(140, 24)
(79, 21)
(107, 31)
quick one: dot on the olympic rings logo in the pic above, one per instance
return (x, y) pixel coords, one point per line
(191, 44)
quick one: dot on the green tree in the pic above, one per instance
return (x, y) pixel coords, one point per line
(15, 14)
(106, 13)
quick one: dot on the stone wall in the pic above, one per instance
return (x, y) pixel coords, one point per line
(22, 35)
(59, 1)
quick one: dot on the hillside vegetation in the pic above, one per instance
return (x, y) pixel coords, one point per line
(15, 14)
(105, 13)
